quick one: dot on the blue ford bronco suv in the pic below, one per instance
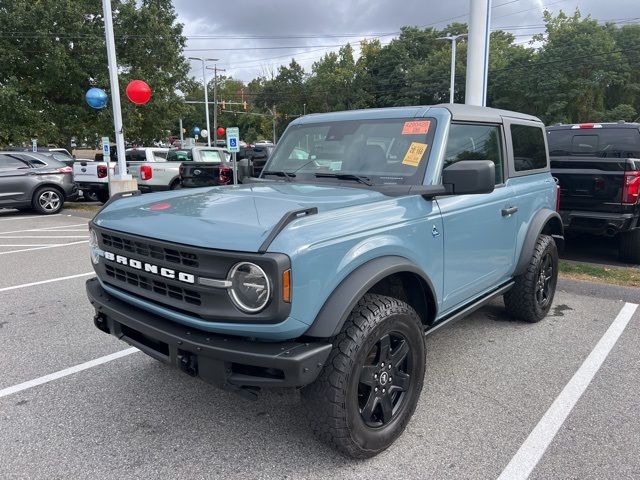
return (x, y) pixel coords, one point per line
(365, 230)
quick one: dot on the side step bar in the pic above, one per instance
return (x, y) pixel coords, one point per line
(472, 307)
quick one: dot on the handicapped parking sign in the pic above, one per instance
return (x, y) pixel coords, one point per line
(233, 139)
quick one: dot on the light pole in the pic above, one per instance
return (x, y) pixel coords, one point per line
(115, 97)
(206, 95)
(215, 101)
(478, 52)
(453, 39)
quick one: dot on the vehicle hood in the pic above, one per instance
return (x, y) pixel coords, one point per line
(229, 218)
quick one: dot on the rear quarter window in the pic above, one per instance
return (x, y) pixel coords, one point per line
(529, 152)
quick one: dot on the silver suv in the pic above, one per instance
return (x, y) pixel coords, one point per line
(35, 181)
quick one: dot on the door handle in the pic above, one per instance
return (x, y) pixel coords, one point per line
(509, 211)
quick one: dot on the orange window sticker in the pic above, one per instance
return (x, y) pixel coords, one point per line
(418, 127)
(414, 154)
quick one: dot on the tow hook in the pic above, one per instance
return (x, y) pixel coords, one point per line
(100, 322)
(188, 363)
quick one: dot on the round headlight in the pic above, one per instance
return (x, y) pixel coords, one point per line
(250, 287)
(94, 247)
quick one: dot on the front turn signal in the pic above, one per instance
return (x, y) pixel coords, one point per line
(286, 286)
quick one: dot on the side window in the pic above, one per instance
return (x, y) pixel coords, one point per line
(528, 148)
(9, 162)
(159, 156)
(475, 142)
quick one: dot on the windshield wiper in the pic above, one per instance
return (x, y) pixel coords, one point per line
(286, 175)
(346, 176)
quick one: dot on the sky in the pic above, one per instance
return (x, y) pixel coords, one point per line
(248, 36)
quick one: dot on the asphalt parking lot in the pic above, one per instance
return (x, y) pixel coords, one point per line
(560, 398)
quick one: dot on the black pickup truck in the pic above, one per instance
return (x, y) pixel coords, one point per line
(250, 161)
(598, 168)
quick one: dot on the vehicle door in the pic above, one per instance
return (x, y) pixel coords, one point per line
(479, 230)
(16, 176)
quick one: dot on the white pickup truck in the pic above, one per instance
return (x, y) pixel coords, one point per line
(164, 173)
(92, 177)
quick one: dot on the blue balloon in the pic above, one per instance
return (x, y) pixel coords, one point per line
(96, 98)
(195, 131)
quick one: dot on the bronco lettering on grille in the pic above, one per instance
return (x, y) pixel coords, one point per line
(150, 268)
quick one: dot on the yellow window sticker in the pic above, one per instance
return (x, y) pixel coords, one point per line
(414, 154)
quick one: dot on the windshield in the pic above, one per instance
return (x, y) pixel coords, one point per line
(385, 152)
(604, 143)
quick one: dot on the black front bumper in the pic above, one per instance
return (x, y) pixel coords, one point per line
(228, 362)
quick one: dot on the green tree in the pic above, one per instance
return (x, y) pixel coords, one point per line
(53, 52)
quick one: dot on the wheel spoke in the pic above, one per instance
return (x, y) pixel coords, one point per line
(385, 348)
(370, 406)
(401, 381)
(366, 375)
(400, 353)
(387, 408)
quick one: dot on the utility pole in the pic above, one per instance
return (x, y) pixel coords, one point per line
(181, 135)
(122, 182)
(206, 94)
(478, 52)
(274, 125)
(453, 39)
(215, 102)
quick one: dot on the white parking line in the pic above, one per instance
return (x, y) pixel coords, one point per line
(42, 248)
(2, 245)
(533, 448)
(42, 282)
(66, 372)
(47, 229)
(30, 217)
(43, 236)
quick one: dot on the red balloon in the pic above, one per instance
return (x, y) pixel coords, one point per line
(220, 131)
(138, 92)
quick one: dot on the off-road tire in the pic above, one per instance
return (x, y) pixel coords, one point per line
(47, 200)
(629, 247)
(521, 301)
(102, 196)
(332, 400)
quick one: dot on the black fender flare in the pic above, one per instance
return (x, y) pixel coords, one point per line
(345, 296)
(547, 221)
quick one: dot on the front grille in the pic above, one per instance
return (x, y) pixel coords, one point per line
(143, 249)
(153, 285)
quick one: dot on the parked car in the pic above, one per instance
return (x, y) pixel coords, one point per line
(34, 181)
(257, 156)
(327, 271)
(164, 174)
(59, 154)
(598, 168)
(92, 178)
(202, 166)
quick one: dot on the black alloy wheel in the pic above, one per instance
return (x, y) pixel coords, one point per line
(385, 379)
(532, 294)
(543, 284)
(369, 386)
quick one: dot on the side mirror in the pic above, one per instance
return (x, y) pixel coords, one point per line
(470, 176)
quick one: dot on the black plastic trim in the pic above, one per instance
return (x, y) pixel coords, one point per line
(284, 221)
(225, 361)
(536, 226)
(343, 299)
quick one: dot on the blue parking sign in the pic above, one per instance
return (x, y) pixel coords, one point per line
(233, 139)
